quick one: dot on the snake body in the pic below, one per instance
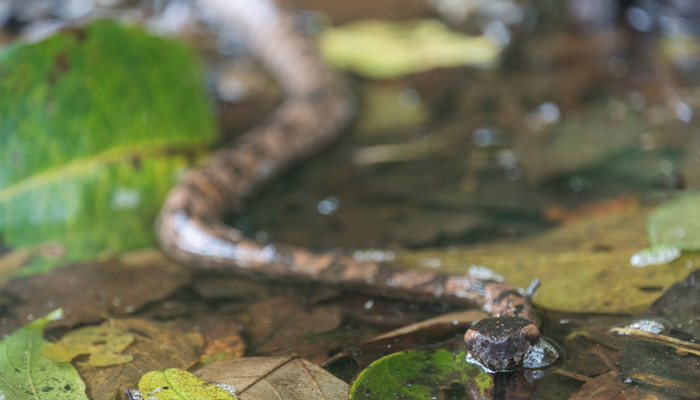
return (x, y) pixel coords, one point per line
(316, 107)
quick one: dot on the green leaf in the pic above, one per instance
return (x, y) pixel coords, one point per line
(420, 374)
(26, 374)
(677, 222)
(177, 384)
(102, 343)
(381, 49)
(97, 124)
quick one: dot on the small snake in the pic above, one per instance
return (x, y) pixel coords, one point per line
(316, 107)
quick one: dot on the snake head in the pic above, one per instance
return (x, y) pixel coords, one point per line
(501, 343)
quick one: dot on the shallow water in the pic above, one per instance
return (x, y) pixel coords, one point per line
(581, 128)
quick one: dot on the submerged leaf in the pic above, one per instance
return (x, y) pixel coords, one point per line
(177, 384)
(103, 344)
(677, 223)
(419, 374)
(26, 374)
(93, 135)
(382, 49)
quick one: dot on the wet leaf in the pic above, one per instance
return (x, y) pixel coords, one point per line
(575, 142)
(282, 324)
(26, 374)
(668, 360)
(93, 135)
(90, 292)
(677, 222)
(103, 345)
(420, 374)
(176, 384)
(225, 348)
(411, 336)
(382, 49)
(583, 265)
(288, 378)
(156, 346)
(609, 386)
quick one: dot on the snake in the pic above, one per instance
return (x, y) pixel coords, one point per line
(316, 107)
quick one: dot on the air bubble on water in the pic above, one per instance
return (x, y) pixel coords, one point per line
(657, 255)
(683, 112)
(541, 355)
(368, 304)
(229, 388)
(481, 272)
(409, 99)
(327, 206)
(647, 325)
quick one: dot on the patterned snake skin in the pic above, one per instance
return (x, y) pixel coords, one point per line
(316, 107)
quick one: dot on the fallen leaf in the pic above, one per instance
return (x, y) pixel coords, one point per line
(609, 386)
(156, 347)
(224, 348)
(668, 360)
(384, 49)
(90, 292)
(281, 323)
(420, 374)
(288, 378)
(583, 266)
(176, 384)
(103, 345)
(79, 166)
(433, 330)
(26, 374)
(677, 222)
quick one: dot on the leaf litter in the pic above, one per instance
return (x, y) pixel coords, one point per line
(26, 375)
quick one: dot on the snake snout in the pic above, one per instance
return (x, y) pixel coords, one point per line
(501, 343)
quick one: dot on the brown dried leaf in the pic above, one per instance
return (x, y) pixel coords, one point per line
(281, 323)
(156, 347)
(433, 330)
(90, 292)
(224, 348)
(609, 386)
(286, 378)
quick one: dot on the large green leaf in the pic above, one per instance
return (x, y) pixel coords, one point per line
(420, 374)
(26, 374)
(96, 124)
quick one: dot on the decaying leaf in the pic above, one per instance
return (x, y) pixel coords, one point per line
(26, 375)
(288, 378)
(90, 292)
(156, 346)
(177, 384)
(382, 49)
(104, 346)
(583, 265)
(609, 386)
(281, 323)
(433, 330)
(224, 348)
(665, 354)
